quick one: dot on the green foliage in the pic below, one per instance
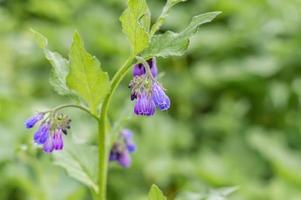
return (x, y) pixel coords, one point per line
(135, 22)
(235, 115)
(155, 194)
(80, 162)
(215, 194)
(60, 66)
(285, 162)
(166, 9)
(176, 44)
(86, 77)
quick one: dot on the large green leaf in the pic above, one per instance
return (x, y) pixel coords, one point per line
(175, 44)
(155, 193)
(86, 77)
(60, 66)
(135, 22)
(80, 162)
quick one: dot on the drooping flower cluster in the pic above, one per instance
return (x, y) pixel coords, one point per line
(122, 148)
(146, 90)
(50, 132)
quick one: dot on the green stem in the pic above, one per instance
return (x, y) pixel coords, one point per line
(103, 139)
(75, 106)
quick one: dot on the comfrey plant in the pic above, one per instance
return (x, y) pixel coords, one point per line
(82, 78)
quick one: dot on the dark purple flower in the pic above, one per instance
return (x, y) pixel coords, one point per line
(133, 96)
(144, 105)
(42, 133)
(139, 69)
(128, 140)
(113, 155)
(57, 138)
(29, 123)
(160, 99)
(124, 159)
(48, 146)
(153, 66)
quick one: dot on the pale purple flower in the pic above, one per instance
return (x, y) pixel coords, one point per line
(124, 159)
(48, 146)
(42, 133)
(144, 105)
(29, 123)
(122, 148)
(160, 99)
(57, 138)
(128, 140)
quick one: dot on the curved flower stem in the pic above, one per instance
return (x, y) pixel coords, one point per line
(103, 139)
(75, 106)
(147, 67)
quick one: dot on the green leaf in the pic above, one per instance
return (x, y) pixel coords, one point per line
(135, 22)
(155, 193)
(169, 4)
(60, 66)
(40, 39)
(175, 44)
(86, 77)
(212, 194)
(221, 194)
(80, 162)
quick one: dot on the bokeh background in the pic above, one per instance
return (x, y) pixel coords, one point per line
(235, 118)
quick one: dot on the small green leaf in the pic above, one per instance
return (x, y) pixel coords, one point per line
(40, 39)
(59, 73)
(169, 4)
(80, 162)
(60, 66)
(175, 44)
(155, 193)
(86, 77)
(135, 22)
(221, 193)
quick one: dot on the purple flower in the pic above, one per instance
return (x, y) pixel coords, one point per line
(48, 146)
(50, 133)
(124, 159)
(144, 105)
(113, 155)
(139, 69)
(120, 155)
(147, 91)
(42, 133)
(160, 99)
(57, 138)
(133, 96)
(122, 148)
(153, 66)
(29, 123)
(128, 140)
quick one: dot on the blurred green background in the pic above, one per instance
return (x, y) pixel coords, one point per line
(235, 118)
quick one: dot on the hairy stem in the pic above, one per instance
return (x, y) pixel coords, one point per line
(75, 106)
(103, 139)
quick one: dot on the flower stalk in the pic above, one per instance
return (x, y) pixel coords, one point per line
(103, 137)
